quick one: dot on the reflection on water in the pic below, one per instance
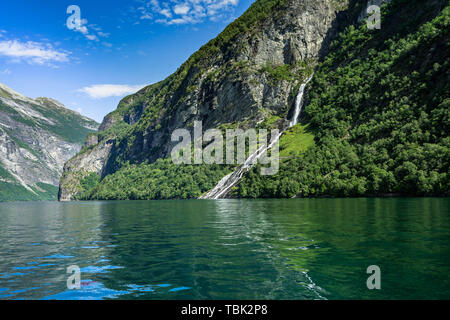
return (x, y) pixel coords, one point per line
(226, 249)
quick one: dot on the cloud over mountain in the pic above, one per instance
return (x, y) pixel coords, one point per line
(100, 91)
(186, 12)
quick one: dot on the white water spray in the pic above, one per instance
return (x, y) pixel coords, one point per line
(299, 103)
(227, 182)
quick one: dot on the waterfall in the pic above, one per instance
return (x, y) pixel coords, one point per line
(227, 182)
(299, 103)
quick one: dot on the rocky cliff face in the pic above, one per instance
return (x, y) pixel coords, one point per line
(374, 111)
(247, 75)
(80, 167)
(37, 136)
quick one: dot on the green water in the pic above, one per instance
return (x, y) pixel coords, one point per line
(227, 249)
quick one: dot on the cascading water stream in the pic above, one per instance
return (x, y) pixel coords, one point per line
(299, 103)
(227, 182)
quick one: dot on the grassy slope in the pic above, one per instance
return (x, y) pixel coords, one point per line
(11, 190)
(295, 141)
(15, 192)
(69, 125)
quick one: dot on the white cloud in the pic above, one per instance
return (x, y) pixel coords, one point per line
(86, 30)
(95, 27)
(91, 37)
(99, 91)
(103, 34)
(146, 17)
(216, 6)
(6, 71)
(82, 27)
(187, 11)
(32, 52)
(181, 9)
(166, 13)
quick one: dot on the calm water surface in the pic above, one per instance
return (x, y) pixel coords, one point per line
(226, 249)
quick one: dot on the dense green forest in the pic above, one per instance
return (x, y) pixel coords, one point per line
(159, 180)
(379, 109)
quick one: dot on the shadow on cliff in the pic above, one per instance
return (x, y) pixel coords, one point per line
(343, 19)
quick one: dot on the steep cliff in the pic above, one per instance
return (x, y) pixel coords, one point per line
(242, 78)
(37, 136)
(249, 76)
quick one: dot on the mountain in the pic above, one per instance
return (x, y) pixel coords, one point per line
(374, 120)
(37, 136)
(378, 107)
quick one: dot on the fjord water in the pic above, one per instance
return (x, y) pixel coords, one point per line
(226, 249)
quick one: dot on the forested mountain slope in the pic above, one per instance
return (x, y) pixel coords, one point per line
(375, 119)
(379, 108)
(243, 78)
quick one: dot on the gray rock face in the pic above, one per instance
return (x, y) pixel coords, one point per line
(107, 123)
(43, 161)
(31, 150)
(297, 34)
(233, 88)
(250, 81)
(83, 164)
(91, 140)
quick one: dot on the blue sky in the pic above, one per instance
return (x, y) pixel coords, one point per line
(116, 47)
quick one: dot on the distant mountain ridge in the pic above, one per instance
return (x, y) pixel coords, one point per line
(37, 136)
